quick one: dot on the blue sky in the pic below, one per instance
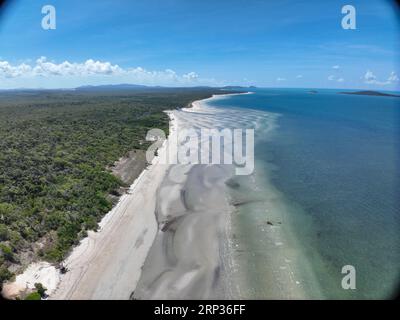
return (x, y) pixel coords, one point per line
(200, 42)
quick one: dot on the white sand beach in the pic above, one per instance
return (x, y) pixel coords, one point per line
(130, 244)
(108, 263)
(191, 255)
(38, 272)
(200, 251)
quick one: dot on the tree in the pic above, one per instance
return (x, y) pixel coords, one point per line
(4, 234)
(6, 251)
(33, 296)
(41, 290)
(5, 274)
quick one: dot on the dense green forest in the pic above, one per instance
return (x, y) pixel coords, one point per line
(55, 147)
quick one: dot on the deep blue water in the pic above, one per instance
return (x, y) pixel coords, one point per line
(337, 158)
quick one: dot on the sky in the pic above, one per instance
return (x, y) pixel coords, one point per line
(200, 42)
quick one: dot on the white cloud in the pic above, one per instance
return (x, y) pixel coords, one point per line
(340, 80)
(393, 77)
(89, 67)
(331, 77)
(370, 78)
(191, 76)
(335, 67)
(280, 79)
(9, 71)
(44, 68)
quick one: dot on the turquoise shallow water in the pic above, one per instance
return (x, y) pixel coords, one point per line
(334, 161)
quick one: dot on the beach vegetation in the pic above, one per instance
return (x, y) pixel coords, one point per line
(41, 290)
(33, 296)
(5, 274)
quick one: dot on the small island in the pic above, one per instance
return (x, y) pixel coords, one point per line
(371, 93)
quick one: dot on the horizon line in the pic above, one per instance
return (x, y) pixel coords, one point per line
(139, 86)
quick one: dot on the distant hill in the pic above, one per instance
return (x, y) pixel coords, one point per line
(238, 87)
(123, 86)
(144, 88)
(136, 87)
(371, 93)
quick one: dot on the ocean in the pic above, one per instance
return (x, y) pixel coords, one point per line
(324, 194)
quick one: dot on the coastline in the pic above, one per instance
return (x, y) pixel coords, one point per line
(197, 104)
(258, 255)
(208, 246)
(189, 258)
(118, 249)
(126, 269)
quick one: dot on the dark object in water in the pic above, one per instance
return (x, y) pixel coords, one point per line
(232, 184)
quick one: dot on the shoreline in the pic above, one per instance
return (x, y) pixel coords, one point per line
(279, 274)
(195, 104)
(190, 257)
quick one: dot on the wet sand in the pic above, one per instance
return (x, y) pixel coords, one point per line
(187, 258)
(191, 257)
